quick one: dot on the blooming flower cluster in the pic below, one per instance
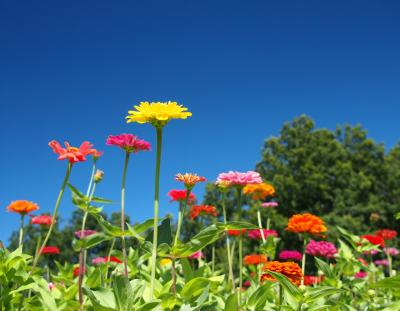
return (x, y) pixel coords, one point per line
(259, 191)
(255, 234)
(321, 249)
(234, 178)
(306, 223)
(289, 269)
(290, 255)
(22, 207)
(201, 210)
(254, 259)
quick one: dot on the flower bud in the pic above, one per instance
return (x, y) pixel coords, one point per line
(374, 217)
(98, 177)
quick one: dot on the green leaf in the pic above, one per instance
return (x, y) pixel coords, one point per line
(89, 241)
(290, 289)
(324, 267)
(232, 303)
(392, 282)
(122, 292)
(259, 298)
(314, 294)
(235, 225)
(164, 233)
(187, 269)
(101, 200)
(194, 288)
(102, 299)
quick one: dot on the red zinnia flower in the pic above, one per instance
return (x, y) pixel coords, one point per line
(51, 250)
(374, 239)
(311, 279)
(180, 196)
(77, 270)
(73, 154)
(113, 259)
(200, 210)
(43, 220)
(235, 232)
(128, 142)
(386, 234)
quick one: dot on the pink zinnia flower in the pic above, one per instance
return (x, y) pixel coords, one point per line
(50, 286)
(361, 275)
(392, 251)
(73, 154)
(98, 260)
(43, 220)
(269, 204)
(255, 234)
(371, 252)
(290, 255)
(234, 178)
(382, 262)
(321, 249)
(85, 233)
(180, 196)
(196, 255)
(128, 142)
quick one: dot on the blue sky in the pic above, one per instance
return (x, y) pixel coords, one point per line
(70, 70)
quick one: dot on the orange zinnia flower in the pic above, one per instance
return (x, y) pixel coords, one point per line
(199, 210)
(306, 223)
(259, 191)
(289, 269)
(254, 259)
(73, 154)
(189, 179)
(22, 207)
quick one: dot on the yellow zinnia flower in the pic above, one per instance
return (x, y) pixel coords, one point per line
(157, 113)
(165, 261)
(259, 191)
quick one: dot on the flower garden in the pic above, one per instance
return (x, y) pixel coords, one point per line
(170, 269)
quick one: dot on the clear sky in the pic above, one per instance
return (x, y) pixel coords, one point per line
(70, 70)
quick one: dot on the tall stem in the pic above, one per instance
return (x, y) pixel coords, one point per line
(303, 261)
(239, 207)
(213, 259)
(55, 213)
(228, 248)
(182, 211)
(127, 154)
(156, 203)
(108, 257)
(260, 223)
(21, 230)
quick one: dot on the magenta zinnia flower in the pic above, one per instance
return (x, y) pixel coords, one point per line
(290, 255)
(392, 251)
(269, 204)
(382, 262)
(196, 255)
(255, 234)
(321, 249)
(361, 275)
(234, 178)
(79, 234)
(128, 142)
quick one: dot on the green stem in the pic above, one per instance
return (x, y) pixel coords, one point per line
(178, 228)
(108, 257)
(213, 259)
(239, 207)
(228, 248)
(303, 261)
(390, 261)
(156, 203)
(55, 213)
(127, 154)
(21, 230)
(260, 223)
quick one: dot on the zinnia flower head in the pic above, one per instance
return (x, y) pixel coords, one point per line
(234, 178)
(51, 250)
(371, 252)
(72, 154)
(236, 232)
(43, 220)
(306, 223)
(289, 269)
(180, 196)
(321, 249)
(165, 262)
(22, 207)
(290, 255)
(202, 210)
(128, 142)
(311, 280)
(196, 255)
(96, 154)
(79, 234)
(254, 259)
(269, 204)
(361, 275)
(382, 262)
(392, 251)
(157, 113)
(255, 234)
(98, 176)
(189, 179)
(51, 286)
(77, 271)
(374, 239)
(101, 260)
(259, 191)
(363, 261)
(386, 234)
